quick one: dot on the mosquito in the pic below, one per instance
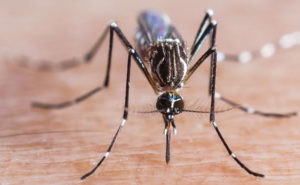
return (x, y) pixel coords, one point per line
(163, 57)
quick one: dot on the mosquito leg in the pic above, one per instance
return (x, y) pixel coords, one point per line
(113, 28)
(212, 44)
(211, 26)
(125, 116)
(45, 65)
(250, 110)
(207, 27)
(198, 63)
(245, 109)
(67, 103)
(285, 42)
(88, 57)
(212, 117)
(207, 19)
(200, 38)
(136, 57)
(204, 24)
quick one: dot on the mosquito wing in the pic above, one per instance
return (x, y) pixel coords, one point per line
(154, 26)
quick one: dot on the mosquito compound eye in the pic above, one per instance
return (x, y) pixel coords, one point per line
(178, 106)
(163, 104)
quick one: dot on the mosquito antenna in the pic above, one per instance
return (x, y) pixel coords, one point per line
(207, 112)
(148, 112)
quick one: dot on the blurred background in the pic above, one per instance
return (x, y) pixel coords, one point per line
(59, 146)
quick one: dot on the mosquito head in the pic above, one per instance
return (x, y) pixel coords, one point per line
(170, 104)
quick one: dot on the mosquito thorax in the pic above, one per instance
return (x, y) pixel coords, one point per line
(170, 103)
(168, 63)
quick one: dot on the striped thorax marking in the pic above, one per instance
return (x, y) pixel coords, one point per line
(168, 63)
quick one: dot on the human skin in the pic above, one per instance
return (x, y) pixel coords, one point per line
(59, 146)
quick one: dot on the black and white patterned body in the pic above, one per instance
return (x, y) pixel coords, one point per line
(160, 45)
(160, 48)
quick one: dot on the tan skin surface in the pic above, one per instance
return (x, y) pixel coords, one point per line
(59, 146)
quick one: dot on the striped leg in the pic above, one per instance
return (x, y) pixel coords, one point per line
(45, 65)
(212, 116)
(285, 42)
(125, 115)
(112, 28)
(67, 103)
(207, 26)
(265, 51)
(253, 111)
(204, 30)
